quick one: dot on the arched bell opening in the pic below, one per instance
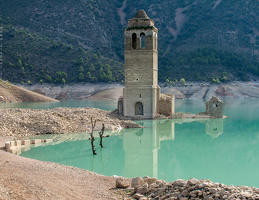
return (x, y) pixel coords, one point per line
(142, 40)
(134, 40)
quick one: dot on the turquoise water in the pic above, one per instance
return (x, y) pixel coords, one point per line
(222, 150)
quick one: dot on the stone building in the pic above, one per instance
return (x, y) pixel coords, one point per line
(141, 94)
(214, 107)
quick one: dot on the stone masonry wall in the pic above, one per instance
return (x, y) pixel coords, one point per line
(214, 107)
(166, 104)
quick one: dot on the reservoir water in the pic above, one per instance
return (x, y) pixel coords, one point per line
(222, 150)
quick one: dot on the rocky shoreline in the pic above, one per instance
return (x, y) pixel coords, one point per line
(147, 188)
(191, 90)
(27, 122)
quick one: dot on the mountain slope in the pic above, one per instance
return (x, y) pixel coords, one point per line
(32, 58)
(10, 93)
(228, 27)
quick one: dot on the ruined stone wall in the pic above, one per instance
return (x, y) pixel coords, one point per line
(166, 104)
(214, 107)
(120, 106)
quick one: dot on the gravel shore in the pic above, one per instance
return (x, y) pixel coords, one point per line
(26, 122)
(23, 178)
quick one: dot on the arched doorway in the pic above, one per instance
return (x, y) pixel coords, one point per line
(138, 108)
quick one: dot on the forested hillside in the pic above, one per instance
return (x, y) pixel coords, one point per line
(82, 40)
(30, 58)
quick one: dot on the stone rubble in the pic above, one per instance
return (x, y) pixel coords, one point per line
(147, 188)
(26, 122)
(122, 182)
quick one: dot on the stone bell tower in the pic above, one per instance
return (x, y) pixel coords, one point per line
(141, 92)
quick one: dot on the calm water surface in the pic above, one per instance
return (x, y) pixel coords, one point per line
(222, 150)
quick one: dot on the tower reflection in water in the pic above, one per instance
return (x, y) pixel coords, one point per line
(164, 149)
(141, 146)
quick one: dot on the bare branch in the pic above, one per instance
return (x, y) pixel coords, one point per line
(92, 135)
(101, 135)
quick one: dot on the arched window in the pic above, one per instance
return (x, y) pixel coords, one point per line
(139, 108)
(134, 40)
(142, 40)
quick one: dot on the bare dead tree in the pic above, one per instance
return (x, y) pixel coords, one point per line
(92, 135)
(101, 135)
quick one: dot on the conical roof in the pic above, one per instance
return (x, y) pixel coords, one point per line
(140, 20)
(141, 14)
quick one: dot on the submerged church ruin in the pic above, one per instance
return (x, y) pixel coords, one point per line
(141, 95)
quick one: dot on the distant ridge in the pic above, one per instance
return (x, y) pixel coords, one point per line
(10, 93)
